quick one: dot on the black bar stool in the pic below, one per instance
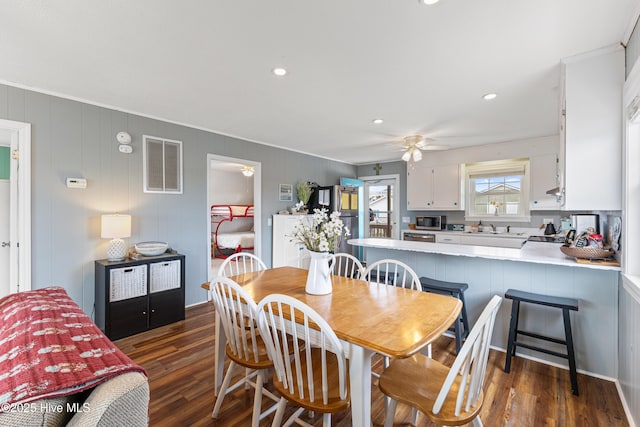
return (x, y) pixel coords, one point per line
(565, 304)
(456, 290)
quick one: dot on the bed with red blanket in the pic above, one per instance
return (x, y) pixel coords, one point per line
(49, 347)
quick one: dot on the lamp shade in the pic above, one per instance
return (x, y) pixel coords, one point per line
(115, 226)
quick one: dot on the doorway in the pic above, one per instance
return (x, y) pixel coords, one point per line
(15, 203)
(232, 182)
(382, 206)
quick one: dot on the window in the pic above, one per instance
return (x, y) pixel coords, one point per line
(498, 189)
(162, 168)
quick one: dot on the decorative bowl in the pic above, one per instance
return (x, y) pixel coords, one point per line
(151, 248)
(587, 252)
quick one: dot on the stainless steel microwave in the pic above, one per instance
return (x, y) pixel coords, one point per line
(432, 222)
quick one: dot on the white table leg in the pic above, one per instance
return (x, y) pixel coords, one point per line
(219, 354)
(360, 382)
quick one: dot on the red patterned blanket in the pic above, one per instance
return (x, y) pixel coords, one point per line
(49, 347)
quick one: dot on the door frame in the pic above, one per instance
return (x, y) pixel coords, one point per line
(257, 204)
(19, 205)
(395, 231)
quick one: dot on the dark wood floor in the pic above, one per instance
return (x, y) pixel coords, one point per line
(179, 361)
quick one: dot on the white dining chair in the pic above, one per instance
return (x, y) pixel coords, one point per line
(312, 375)
(448, 396)
(392, 272)
(240, 263)
(347, 265)
(245, 347)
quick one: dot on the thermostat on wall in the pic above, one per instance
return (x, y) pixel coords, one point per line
(76, 183)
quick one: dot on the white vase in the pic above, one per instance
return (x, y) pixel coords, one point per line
(319, 276)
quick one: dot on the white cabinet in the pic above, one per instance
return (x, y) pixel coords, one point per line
(591, 131)
(286, 252)
(544, 177)
(433, 187)
(444, 238)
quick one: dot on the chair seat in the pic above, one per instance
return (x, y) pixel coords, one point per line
(334, 403)
(250, 362)
(417, 380)
(443, 286)
(548, 300)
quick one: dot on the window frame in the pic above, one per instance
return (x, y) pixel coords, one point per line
(498, 168)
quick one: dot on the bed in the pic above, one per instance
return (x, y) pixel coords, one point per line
(231, 229)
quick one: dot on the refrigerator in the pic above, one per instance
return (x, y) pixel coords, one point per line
(344, 200)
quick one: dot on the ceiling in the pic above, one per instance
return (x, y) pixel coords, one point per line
(207, 64)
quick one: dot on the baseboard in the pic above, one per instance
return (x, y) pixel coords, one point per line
(196, 304)
(557, 365)
(627, 411)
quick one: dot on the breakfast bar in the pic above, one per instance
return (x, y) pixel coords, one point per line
(536, 267)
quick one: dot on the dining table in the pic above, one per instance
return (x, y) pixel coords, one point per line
(368, 318)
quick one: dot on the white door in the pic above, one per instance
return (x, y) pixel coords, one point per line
(4, 237)
(15, 208)
(382, 206)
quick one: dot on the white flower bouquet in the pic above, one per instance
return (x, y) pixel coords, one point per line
(322, 233)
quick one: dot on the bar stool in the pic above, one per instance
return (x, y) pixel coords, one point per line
(455, 290)
(565, 304)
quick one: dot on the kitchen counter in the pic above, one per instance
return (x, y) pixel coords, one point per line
(537, 267)
(532, 252)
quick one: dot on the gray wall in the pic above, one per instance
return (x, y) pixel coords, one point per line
(73, 139)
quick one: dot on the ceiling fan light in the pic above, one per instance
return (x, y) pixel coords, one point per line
(417, 155)
(406, 156)
(247, 171)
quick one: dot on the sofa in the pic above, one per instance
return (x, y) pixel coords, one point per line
(57, 368)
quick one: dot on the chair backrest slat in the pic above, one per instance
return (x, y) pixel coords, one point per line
(282, 318)
(471, 363)
(240, 263)
(347, 265)
(392, 272)
(238, 316)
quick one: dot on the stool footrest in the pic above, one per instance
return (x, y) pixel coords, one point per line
(541, 337)
(543, 350)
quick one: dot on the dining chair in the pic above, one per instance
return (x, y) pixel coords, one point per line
(448, 396)
(245, 347)
(347, 265)
(240, 263)
(314, 374)
(392, 272)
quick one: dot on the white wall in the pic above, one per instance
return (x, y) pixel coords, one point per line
(230, 188)
(499, 151)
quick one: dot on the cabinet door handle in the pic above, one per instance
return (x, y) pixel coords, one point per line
(153, 310)
(144, 312)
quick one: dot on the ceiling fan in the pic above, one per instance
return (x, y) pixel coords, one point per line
(413, 146)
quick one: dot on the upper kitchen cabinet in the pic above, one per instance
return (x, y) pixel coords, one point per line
(544, 176)
(590, 166)
(433, 187)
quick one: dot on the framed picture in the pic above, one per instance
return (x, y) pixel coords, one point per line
(286, 192)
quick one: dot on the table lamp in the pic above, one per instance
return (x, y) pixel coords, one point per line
(116, 227)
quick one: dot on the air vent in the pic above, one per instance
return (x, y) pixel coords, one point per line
(162, 165)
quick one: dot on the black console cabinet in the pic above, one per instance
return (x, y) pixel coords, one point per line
(135, 295)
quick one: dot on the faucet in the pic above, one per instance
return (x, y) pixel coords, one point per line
(493, 228)
(508, 228)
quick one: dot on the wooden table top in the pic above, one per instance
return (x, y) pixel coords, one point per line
(392, 321)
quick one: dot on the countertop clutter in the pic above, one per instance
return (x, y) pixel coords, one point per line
(532, 252)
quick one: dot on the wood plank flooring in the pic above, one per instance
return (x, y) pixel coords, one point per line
(179, 361)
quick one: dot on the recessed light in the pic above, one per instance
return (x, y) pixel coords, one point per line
(429, 2)
(489, 96)
(279, 71)
(378, 121)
